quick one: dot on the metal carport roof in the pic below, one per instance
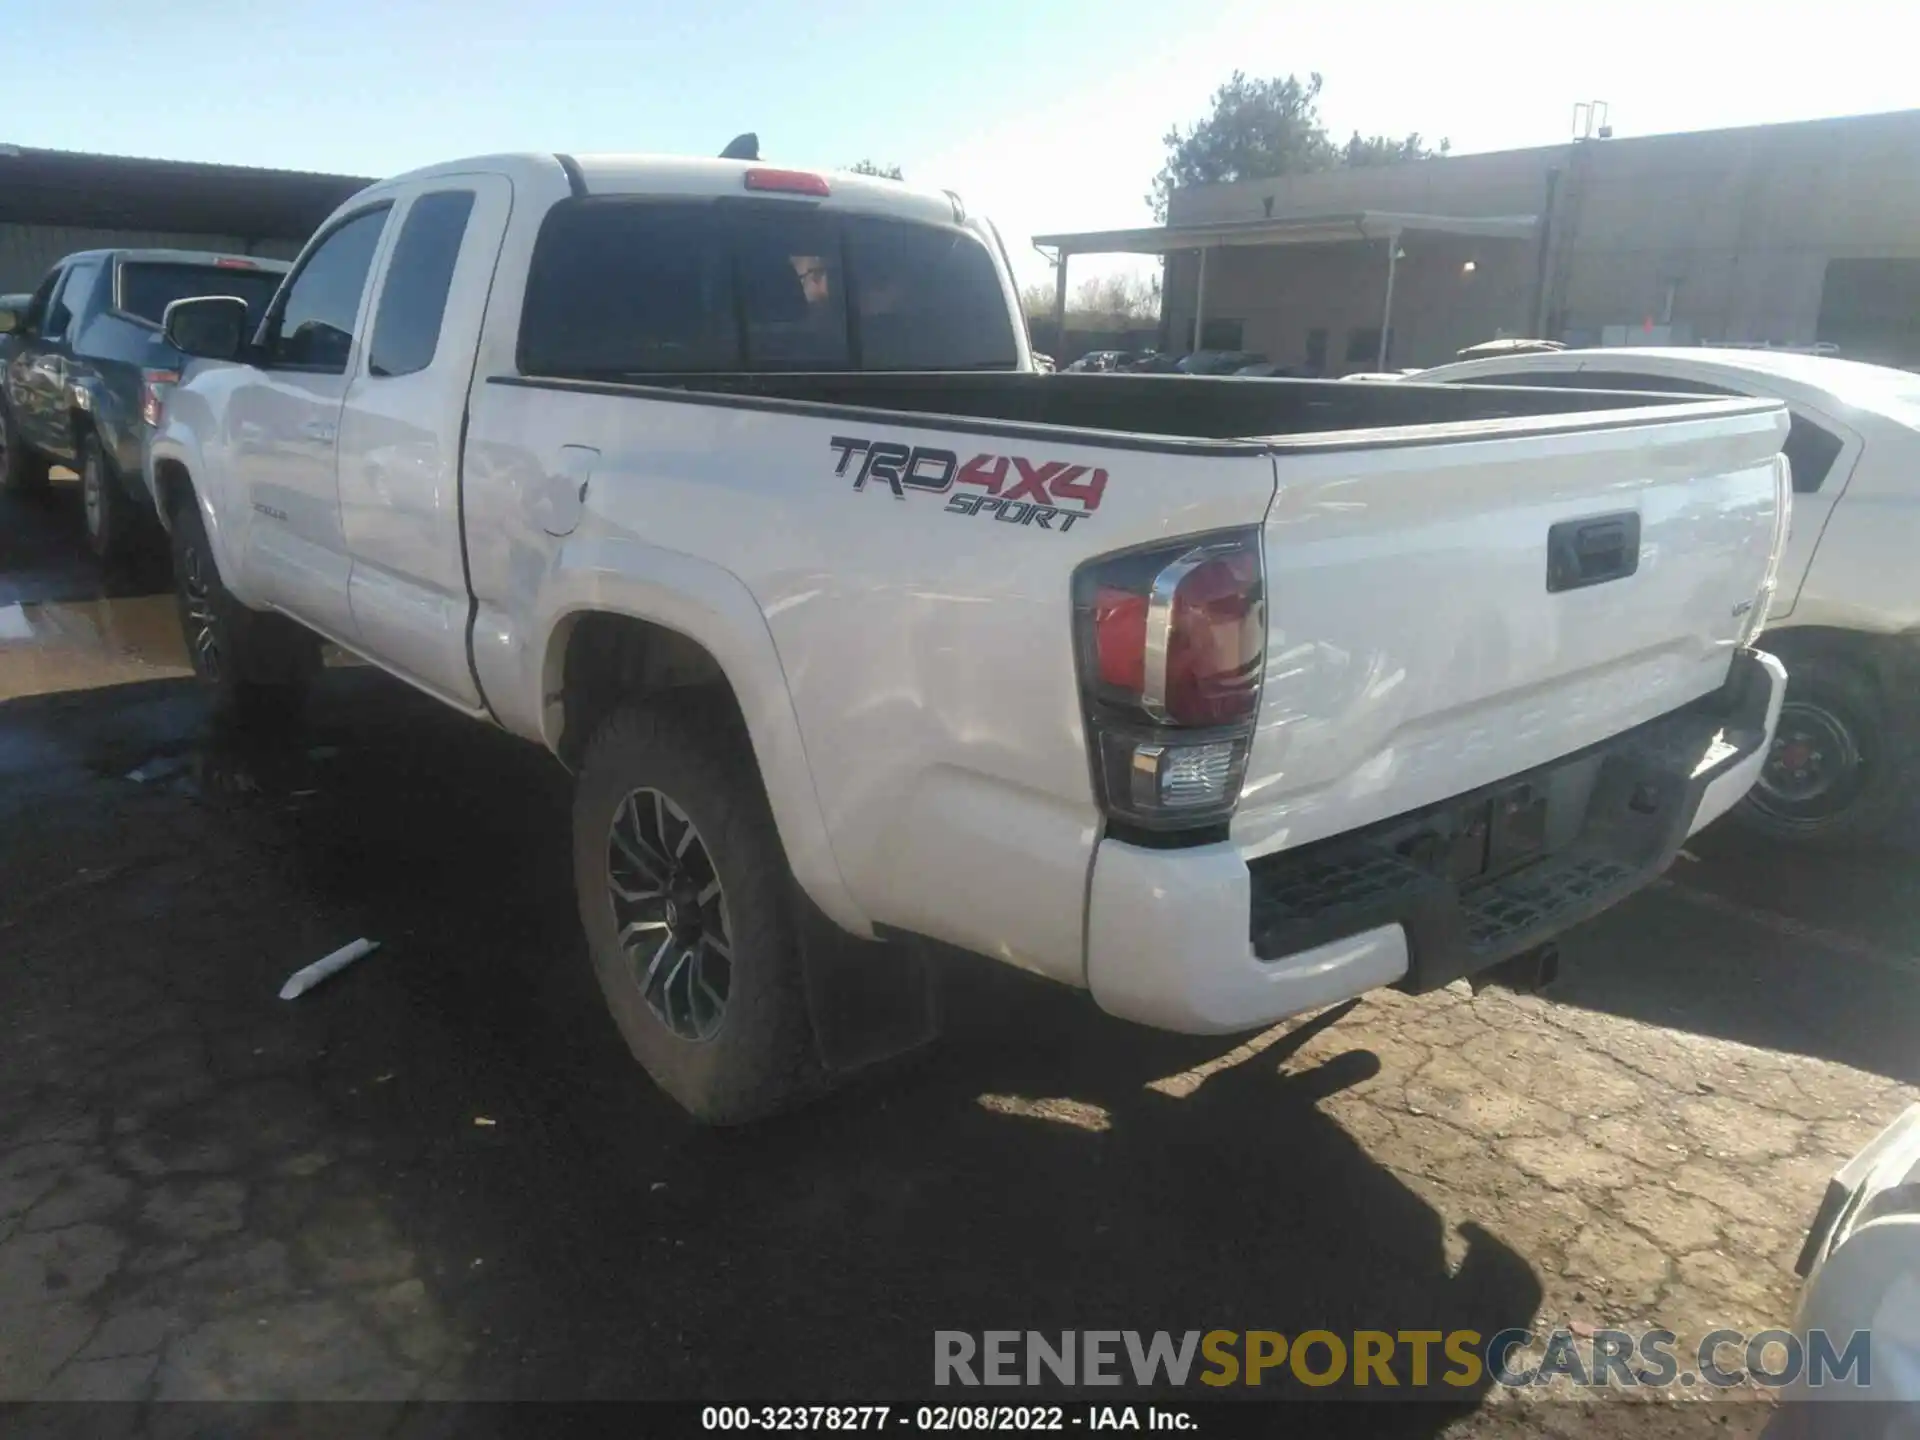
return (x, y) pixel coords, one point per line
(1297, 230)
(117, 192)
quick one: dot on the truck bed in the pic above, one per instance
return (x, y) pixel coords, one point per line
(1159, 411)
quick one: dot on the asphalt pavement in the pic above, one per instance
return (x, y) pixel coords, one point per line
(439, 1175)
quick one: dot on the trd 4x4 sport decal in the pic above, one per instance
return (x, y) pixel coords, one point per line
(1049, 494)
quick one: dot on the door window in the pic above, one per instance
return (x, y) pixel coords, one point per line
(313, 329)
(36, 317)
(70, 298)
(413, 298)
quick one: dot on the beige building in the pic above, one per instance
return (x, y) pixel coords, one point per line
(1795, 234)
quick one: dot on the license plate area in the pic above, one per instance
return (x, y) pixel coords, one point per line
(1481, 840)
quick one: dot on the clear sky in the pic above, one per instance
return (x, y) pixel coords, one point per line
(1046, 114)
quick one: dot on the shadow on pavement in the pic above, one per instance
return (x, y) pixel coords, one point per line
(1807, 951)
(449, 1141)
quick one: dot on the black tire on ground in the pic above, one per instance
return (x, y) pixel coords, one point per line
(1843, 763)
(21, 471)
(656, 769)
(113, 520)
(258, 666)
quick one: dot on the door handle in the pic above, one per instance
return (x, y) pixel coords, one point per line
(320, 430)
(1593, 551)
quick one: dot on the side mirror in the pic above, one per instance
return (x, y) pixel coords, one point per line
(210, 327)
(9, 320)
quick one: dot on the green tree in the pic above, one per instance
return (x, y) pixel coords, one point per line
(1263, 128)
(884, 172)
(1385, 150)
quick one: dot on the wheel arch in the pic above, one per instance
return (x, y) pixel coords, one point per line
(175, 486)
(614, 637)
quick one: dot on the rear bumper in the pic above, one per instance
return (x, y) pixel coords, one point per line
(1200, 940)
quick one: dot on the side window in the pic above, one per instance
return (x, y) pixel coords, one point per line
(413, 299)
(618, 288)
(1811, 450)
(313, 327)
(71, 298)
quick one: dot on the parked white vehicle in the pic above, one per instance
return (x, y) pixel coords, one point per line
(1846, 615)
(1862, 1266)
(737, 489)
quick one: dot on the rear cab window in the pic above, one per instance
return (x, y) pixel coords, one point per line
(627, 286)
(147, 287)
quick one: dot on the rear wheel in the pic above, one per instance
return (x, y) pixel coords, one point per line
(258, 666)
(113, 520)
(21, 470)
(688, 909)
(1842, 763)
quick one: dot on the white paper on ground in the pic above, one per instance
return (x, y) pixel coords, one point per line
(304, 980)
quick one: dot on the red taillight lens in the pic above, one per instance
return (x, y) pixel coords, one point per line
(1183, 636)
(228, 262)
(1120, 633)
(154, 385)
(792, 182)
(1172, 645)
(1216, 637)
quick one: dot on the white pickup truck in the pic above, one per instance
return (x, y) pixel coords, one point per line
(737, 488)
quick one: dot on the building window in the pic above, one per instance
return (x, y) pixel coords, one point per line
(1218, 334)
(1317, 350)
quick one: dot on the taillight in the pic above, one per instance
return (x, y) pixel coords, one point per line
(154, 386)
(792, 182)
(1172, 646)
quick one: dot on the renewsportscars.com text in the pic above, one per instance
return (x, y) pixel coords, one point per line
(1414, 1359)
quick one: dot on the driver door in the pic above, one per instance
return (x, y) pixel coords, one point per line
(34, 371)
(284, 426)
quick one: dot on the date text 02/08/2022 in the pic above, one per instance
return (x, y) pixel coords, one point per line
(941, 1418)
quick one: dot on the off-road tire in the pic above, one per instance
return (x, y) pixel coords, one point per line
(258, 666)
(761, 1059)
(112, 519)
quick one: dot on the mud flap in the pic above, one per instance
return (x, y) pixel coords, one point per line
(869, 1000)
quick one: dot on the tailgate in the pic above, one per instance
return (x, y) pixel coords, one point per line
(1452, 605)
